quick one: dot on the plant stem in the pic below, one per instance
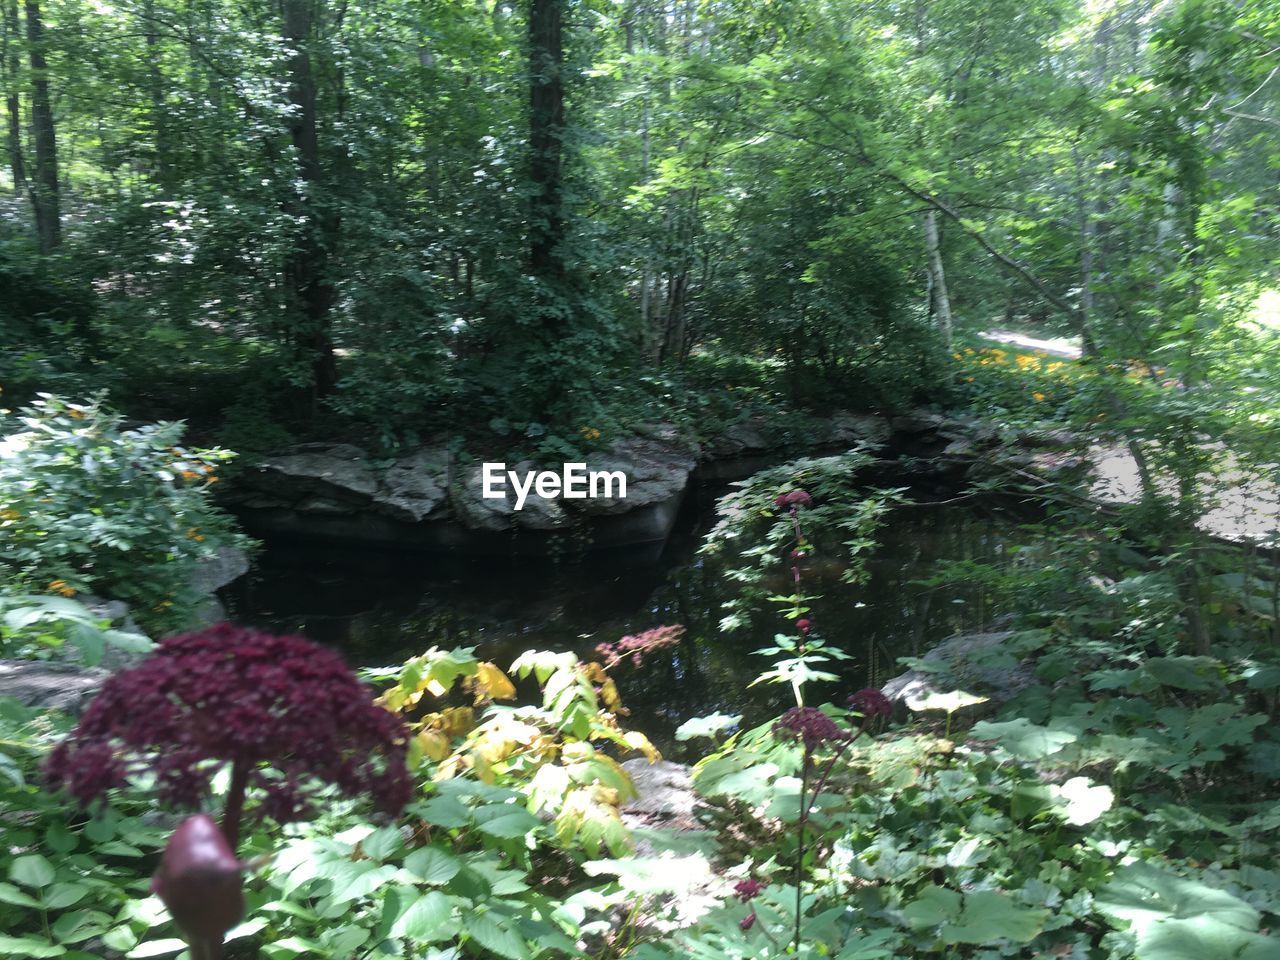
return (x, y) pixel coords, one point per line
(234, 809)
(804, 819)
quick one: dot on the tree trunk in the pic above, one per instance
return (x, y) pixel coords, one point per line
(155, 89)
(546, 139)
(306, 268)
(44, 189)
(13, 102)
(941, 301)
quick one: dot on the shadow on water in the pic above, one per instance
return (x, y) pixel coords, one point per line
(381, 607)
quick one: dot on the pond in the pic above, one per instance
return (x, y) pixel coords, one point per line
(381, 607)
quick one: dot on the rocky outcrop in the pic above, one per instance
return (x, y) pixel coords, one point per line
(61, 686)
(977, 663)
(430, 499)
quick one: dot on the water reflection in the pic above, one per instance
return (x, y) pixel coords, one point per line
(381, 607)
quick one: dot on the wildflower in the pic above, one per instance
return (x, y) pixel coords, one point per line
(793, 499)
(283, 711)
(744, 890)
(190, 475)
(60, 586)
(635, 647)
(199, 880)
(804, 626)
(747, 922)
(811, 725)
(1038, 397)
(870, 702)
(1026, 362)
(590, 433)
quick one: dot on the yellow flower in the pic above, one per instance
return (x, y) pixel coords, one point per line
(10, 515)
(958, 355)
(190, 475)
(60, 586)
(968, 379)
(1038, 397)
(1025, 361)
(590, 433)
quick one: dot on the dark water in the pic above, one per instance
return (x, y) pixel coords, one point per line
(382, 607)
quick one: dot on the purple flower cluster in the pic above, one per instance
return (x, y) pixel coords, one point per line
(793, 500)
(747, 889)
(811, 726)
(283, 710)
(871, 703)
(637, 646)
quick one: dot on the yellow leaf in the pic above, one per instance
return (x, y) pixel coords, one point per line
(638, 741)
(433, 743)
(491, 683)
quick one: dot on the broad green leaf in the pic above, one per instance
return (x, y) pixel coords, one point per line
(426, 919)
(432, 865)
(497, 935)
(31, 870)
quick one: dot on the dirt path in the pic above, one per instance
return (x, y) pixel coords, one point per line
(1247, 507)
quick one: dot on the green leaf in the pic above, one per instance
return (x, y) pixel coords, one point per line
(1082, 801)
(1185, 673)
(32, 870)
(708, 726)
(11, 894)
(1145, 895)
(990, 916)
(432, 865)
(497, 936)
(508, 823)
(426, 919)
(157, 948)
(934, 905)
(28, 947)
(1024, 739)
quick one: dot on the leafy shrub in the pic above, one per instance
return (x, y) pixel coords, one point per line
(90, 506)
(554, 753)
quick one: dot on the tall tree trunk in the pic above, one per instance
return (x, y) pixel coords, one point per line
(44, 189)
(546, 139)
(307, 266)
(13, 98)
(941, 301)
(155, 89)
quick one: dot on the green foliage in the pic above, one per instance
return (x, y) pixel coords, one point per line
(34, 627)
(753, 538)
(90, 506)
(557, 753)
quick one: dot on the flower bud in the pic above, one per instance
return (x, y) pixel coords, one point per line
(199, 880)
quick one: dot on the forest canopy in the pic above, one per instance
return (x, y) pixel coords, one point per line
(327, 214)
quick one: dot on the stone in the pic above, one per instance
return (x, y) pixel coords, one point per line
(60, 686)
(744, 436)
(664, 789)
(853, 428)
(962, 658)
(657, 474)
(415, 487)
(339, 472)
(473, 510)
(918, 421)
(226, 566)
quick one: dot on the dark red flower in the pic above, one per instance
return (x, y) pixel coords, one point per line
(804, 626)
(635, 647)
(793, 500)
(287, 712)
(811, 725)
(747, 922)
(744, 890)
(199, 880)
(870, 702)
